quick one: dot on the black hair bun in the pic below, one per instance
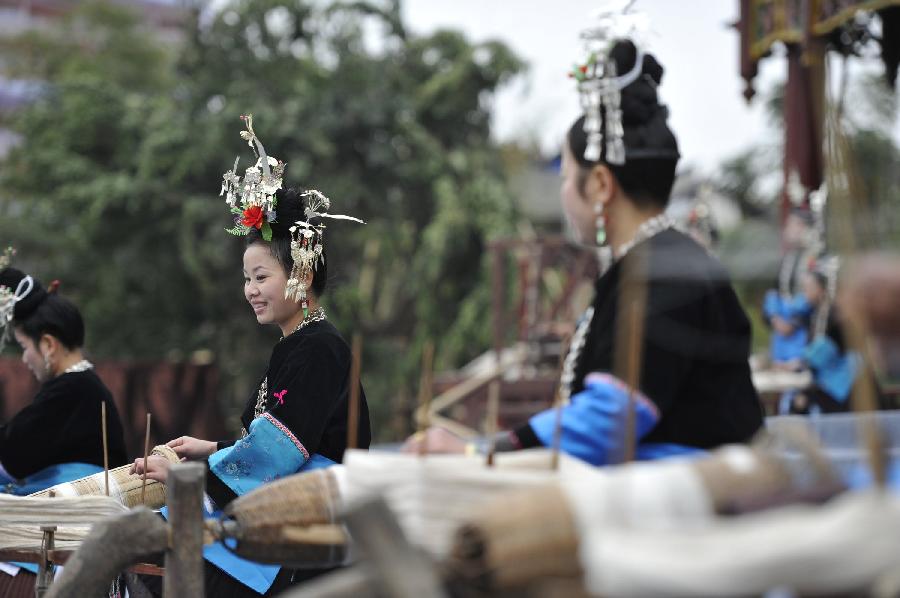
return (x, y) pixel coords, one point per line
(289, 208)
(652, 69)
(10, 278)
(640, 102)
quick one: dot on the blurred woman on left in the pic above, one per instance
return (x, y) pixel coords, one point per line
(58, 437)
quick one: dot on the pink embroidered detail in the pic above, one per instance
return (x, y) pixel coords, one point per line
(284, 430)
(280, 396)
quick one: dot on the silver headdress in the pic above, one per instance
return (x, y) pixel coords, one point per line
(600, 85)
(6, 258)
(253, 202)
(10, 297)
(252, 199)
(307, 244)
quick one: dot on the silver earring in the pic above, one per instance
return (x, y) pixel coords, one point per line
(47, 366)
(600, 223)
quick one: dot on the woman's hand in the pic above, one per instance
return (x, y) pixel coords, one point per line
(157, 468)
(192, 449)
(436, 440)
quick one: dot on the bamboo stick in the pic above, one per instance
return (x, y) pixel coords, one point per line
(146, 454)
(558, 403)
(353, 406)
(105, 447)
(425, 396)
(843, 188)
(493, 414)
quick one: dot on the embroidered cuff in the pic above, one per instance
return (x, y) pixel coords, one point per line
(269, 452)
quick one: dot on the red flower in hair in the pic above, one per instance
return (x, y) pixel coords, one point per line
(253, 217)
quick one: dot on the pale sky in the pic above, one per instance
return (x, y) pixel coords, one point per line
(692, 39)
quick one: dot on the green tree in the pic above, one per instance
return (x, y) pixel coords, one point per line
(115, 183)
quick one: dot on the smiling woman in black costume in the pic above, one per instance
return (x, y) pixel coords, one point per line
(297, 418)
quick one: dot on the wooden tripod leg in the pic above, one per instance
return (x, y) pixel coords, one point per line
(113, 545)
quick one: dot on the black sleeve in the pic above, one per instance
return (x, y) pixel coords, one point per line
(40, 434)
(217, 490)
(222, 444)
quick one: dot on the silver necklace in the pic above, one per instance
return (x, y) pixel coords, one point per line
(81, 366)
(316, 315)
(647, 229)
(575, 347)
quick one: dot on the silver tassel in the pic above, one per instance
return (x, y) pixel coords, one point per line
(615, 131)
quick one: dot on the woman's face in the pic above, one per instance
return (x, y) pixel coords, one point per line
(264, 284)
(578, 209)
(813, 290)
(31, 355)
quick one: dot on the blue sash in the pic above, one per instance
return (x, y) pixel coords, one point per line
(47, 477)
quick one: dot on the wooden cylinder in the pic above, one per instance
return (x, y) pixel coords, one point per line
(184, 559)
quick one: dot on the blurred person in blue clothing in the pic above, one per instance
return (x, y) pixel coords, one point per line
(786, 309)
(833, 366)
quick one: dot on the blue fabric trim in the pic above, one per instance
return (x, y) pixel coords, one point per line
(789, 308)
(652, 451)
(50, 476)
(593, 423)
(833, 371)
(264, 455)
(797, 309)
(32, 567)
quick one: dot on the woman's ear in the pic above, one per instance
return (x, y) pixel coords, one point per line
(306, 279)
(48, 346)
(601, 185)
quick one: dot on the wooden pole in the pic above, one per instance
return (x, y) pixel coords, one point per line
(113, 545)
(46, 569)
(493, 414)
(353, 406)
(401, 569)
(558, 403)
(557, 432)
(105, 447)
(184, 559)
(635, 345)
(425, 395)
(847, 198)
(632, 306)
(146, 454)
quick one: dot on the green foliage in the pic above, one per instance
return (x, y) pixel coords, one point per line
(114, 187)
